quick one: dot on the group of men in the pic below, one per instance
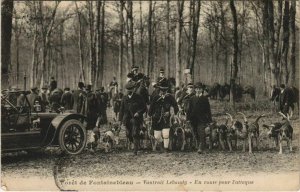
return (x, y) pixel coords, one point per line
(162, 105)
(92, 104)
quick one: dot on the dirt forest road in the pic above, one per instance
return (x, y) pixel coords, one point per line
(50, 167)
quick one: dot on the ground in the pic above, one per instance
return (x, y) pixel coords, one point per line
(122, 163)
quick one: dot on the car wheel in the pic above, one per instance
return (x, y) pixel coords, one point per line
(72, 137)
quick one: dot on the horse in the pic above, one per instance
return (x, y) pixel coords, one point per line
(289, 96)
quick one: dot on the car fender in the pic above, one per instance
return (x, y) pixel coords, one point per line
(59, 120)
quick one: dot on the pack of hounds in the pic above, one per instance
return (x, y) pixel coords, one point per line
(223, 136)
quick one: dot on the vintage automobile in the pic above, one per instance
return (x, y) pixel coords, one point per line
(25, 127)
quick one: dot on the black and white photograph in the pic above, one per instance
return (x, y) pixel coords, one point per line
(150, 95)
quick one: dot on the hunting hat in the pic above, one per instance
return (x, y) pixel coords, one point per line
(134, 67)
(162, 70)
(44, 87)
(199, 85)
(34, 88)
(191, 85)
(130, 75)
(163, 85)
(89, 87)
(130, 85)
(80, 84)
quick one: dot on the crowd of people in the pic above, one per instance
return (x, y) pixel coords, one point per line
(132, 107)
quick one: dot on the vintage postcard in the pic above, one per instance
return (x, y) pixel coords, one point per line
(133, 95)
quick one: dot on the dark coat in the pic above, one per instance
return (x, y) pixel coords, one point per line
(76, 97)
(67, 100)
(158, 109)
(199, 110)
(130, 106)
(54, 99)
(184, 100)
(154, 94)
(117, 102)
(44, 99)
(102, 99)
(90, 108)
(136, 77)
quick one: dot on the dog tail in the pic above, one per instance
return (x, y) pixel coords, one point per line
(245, 118)
(259, 117)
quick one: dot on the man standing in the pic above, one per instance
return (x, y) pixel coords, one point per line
(67, 100)
(90, 108)
(76, 96)
(161, 77)
(44, 98)
(199, 114)
(184, 99)
(160, 111)
(113, 83)
(53, 84)
(102, 100)
(33, 97)
(131, 114)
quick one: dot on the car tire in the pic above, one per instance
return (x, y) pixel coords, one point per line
(72, 137)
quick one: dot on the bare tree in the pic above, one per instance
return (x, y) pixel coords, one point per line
(179, 23)
(131, 31)
(141, 35)
(235, 50)
(102, 48)
(194, 33)
(82, 75)
(285, 41)
(6, 31)
(34, 67)
(168, 42)
(92, 51)
(150, 60)
(121, 45)
(293, 39)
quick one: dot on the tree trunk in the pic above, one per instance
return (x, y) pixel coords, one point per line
(98, 39)
(34, 51)
(17, 38)
(235, 51)
(180, 6)
(195, 21)
(92, 76)
(131, 32)
(80, 46)
(293, 39)
(141, 36)
(102, 53)
(149, 60)
(64, 79)
(167, 66)
(120, 66)
(285, 41)
(6, 31)
(127, 43)
(271, 47)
